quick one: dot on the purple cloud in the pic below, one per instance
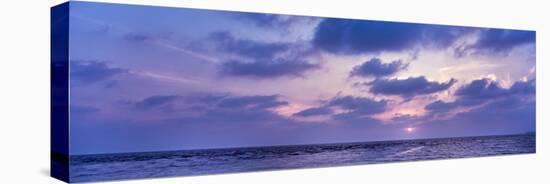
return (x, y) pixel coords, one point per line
(375, 68)
(482, 91)
(357, 108)
(315, 111)
(354, 36)
(409, 87)
(267, 68)
(260, 59)
(252, 102)
(482, 88)
(500, 41)
(226, 42)
(156, 101)
(88, 72)
(344, 36)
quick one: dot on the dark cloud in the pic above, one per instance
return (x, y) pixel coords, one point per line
(481, 92)
(482, 88)
(440, 36)
(204, 113)
(440, 106)
(500, 116)
(93, 71)
(487, 88)
(234, 109)
(355, 117)
(361, 105)
(315, 111)
(500, 41)
(156, 101)
(486, 109)
(212, 101)
(404, 118)
(261, 59)
(357, 109)
(267, 68)
(360, 36)
(226, 42)
(375, 68)
(252, 102)
(269, 20)
(505, 112)
(236, 116)
(262, 19)
(344, 36)
(524, 87)
(409, 87)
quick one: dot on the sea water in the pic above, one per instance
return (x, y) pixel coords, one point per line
(85, 168)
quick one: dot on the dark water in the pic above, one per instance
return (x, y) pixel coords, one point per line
(197, 162)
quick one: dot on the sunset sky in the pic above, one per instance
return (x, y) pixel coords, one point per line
(146, 78)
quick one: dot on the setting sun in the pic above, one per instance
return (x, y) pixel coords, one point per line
(409, 129)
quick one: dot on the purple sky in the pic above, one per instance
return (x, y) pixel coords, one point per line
(151, 78)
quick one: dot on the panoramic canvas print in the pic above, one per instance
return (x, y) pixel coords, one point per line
(145, 91)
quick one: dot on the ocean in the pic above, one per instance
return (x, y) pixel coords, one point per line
(85, 168)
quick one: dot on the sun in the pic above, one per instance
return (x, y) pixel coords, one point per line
(409, 129)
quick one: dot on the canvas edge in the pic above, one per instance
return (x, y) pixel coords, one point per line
(59, 88)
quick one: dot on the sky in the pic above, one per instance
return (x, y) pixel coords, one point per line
(146, 78)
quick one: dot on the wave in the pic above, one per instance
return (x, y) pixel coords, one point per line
(412, 150)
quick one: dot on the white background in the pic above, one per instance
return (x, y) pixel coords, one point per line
(24, 90)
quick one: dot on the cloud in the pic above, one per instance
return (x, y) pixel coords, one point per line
(375, 68)
(344, 36)
(231, 109)
(501, 41)
(487, 88)
(351, 109)
(362, 105)
(440, 107)
(409, 87)
(360, 36)
(404, 118)
(283, 24)
(314, 112)
(264, 20)
(524, 87)
(481, 92)
(443, 36)
(226, 42)
(500, 116)
(156, 101)
(261, 59)
(483, 108)
(252, 102)
(93, 71)
(505, 112)
(269, 20)
(355, 117)
(482, 88)
(267, 68)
